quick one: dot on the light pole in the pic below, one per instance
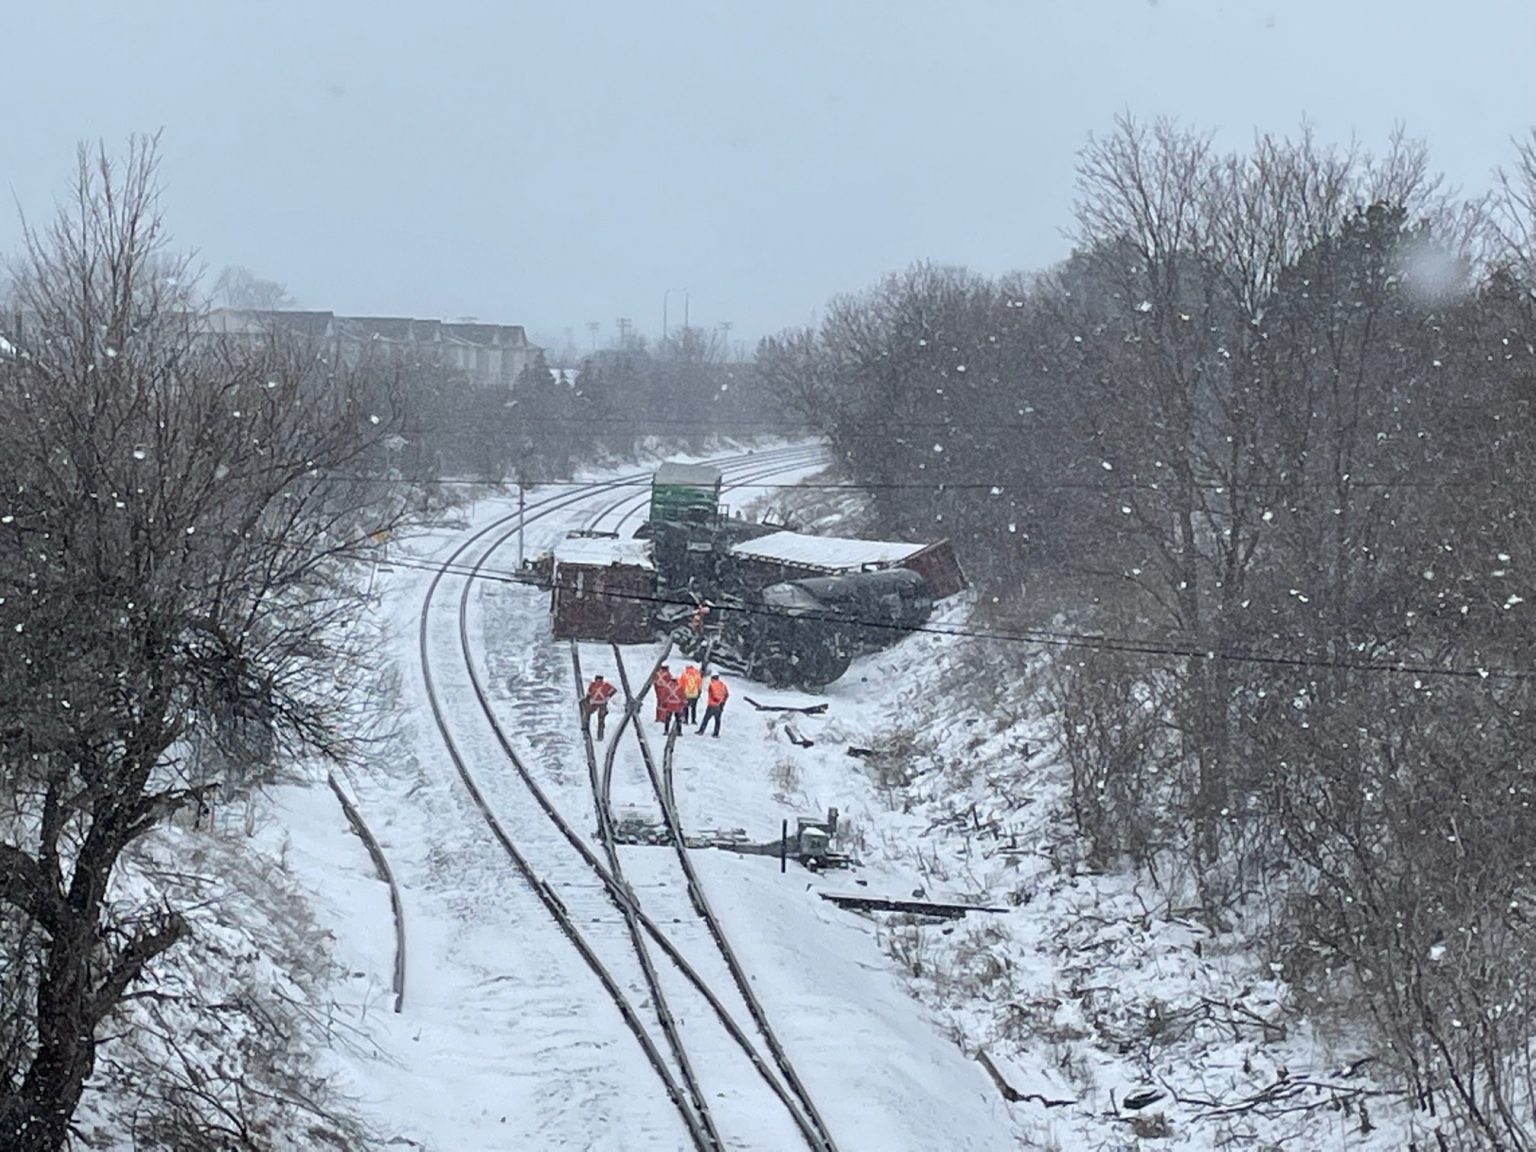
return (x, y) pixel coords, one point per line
(664, 297)
(523, 484)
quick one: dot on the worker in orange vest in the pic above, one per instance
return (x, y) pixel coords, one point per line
(715, 697)
(595, 703)
(663, 674)
(693, 684)
(670, 705)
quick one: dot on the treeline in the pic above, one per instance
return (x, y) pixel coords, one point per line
(679, 393)
(1266, 443)
(180, 528)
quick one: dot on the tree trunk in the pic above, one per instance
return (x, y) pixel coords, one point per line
(36, 1118)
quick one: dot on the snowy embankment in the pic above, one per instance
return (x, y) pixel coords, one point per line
(1109, 1015)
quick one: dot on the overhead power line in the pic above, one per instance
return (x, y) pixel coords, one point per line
(997, 487)
(1082, 641)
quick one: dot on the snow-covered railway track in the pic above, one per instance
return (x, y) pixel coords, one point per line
(812, 1124)
(538, 509)
(537, 880)
(799, 1110)
(530, 834)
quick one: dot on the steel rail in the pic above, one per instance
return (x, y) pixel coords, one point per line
(618, 891)
(663, 1011)
(546, 895)
(621, 895)
(662, 789)
(381, 865)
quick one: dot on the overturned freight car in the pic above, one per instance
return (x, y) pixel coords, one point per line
(602, 588)
(795, 610)
(779, 606)
(784, 556)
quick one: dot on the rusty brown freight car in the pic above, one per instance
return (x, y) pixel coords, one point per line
(604, 588)
(939, 566)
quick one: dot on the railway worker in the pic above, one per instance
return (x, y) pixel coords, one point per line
(696, 621)
(599, 692)
(671, 704)
(663, 674)
(692, 681)
(716, 696)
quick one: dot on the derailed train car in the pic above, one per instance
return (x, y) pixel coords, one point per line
(783, 607)
(805, 633)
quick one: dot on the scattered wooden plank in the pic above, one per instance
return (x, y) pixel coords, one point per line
(995, 1069)
(797, 739)
(919, 907)
(806, 710)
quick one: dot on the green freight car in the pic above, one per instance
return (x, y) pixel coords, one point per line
(685, 494)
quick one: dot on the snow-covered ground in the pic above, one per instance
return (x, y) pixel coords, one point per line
(1087, 994)
(506, 1040)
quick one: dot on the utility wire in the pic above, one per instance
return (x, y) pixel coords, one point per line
(1129, 645)
(994, 487)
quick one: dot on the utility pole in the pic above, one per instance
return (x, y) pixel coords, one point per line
(522, 497)
(592, 327)
(665, 296)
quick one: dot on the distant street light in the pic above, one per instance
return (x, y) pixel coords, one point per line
(664, 298)
(393, 443)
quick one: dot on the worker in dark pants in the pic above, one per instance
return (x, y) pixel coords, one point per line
(715, 697)
(693, 687)
(595, 703)
(672, 705)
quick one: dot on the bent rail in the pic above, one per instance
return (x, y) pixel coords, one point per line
(381, 865)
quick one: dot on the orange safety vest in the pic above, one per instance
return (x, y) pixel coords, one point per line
(692, 680)
(717, 693)
(669, 697)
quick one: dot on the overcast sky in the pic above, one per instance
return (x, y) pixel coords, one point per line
(563, 161)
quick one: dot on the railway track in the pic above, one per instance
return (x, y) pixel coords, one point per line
(811, 1128)
(661, 783)
(530, 827)
(662, 790)
(349, 805)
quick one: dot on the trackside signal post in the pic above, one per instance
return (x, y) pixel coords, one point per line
(523, 484)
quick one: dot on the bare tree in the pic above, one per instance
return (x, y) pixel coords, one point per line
(1274, 414)
(1320, 410)
(239, 287)
(1515, 207)
(174, 553)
